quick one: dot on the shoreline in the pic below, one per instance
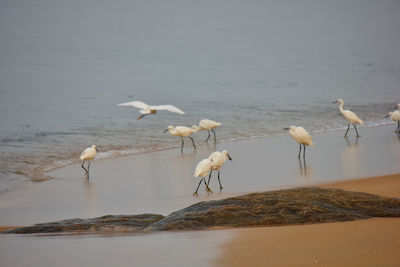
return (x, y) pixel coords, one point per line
(119, 154)
(372, 242)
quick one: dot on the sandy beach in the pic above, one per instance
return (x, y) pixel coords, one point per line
(132, 185)
(372, 242)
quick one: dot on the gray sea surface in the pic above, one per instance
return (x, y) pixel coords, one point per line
(255, 66)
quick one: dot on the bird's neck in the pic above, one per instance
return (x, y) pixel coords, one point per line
(172, 130)
(341, 107)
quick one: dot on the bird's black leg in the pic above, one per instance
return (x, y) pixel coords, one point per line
(356, 130)
(398, 127)
(83, 167)
(304, 151)
(193, 142)
(348, 127)
(142, 116)
(208, 136)
(182, 145)
(88, 166)
(195, 193)
(220, 186)
(208, 189)
(209, 177)
(215, 138)
(299, 152)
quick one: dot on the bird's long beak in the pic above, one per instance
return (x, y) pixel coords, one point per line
(285, 129)
(229, 157)
(335, 102)
(97, 150)
(166, 130)
(387, 116)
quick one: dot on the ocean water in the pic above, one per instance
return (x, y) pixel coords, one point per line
(255, 66)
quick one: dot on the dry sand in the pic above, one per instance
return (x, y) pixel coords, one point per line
(372, 242)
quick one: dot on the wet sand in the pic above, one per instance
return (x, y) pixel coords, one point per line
(162, 182)
(372, 242)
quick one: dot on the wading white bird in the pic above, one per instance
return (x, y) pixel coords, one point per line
(218, 160)
(395, 116)
(182, 131)
(88, 155)
(209, 125)
(350, 116)
(202, 169)
(302, 137)
(147, 110)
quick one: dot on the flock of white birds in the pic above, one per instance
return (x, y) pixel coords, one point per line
(217, 159)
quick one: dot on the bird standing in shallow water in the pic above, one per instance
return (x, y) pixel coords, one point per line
(147, 110)
(350, 116)
(395, 116)
(218, 159)
(88, 155)
(202, 169)
(209, 125)
(182, 131)
(302, 137)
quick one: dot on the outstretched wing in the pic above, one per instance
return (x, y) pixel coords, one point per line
(136, 104)
(169, 108)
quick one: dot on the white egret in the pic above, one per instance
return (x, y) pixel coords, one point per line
(182, 131)
(88, 155)
(146, 109)
(302, 137)
(202, 169)
(350, 116)
(395, 116)
(209, 125)
(218, 160)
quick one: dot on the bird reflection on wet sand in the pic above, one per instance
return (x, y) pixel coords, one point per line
(91, 198)
(350, 144)
(351, 156)
(305, 171)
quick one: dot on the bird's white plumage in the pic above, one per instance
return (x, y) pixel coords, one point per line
(218, 159)
(203, 168)
(395, 115)
(136, 104)
(89, 153)
(181, 131)
(168, 107)
(147, 109)
(301, 135)
(208, 124)
(349, 115)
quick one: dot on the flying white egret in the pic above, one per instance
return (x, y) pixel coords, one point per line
(182, 131)
(202, 169)
(209, 125)
(302, 137)
(88, 155)
(395, 116)
(146, 109)
(350, 116)
(218, 160)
